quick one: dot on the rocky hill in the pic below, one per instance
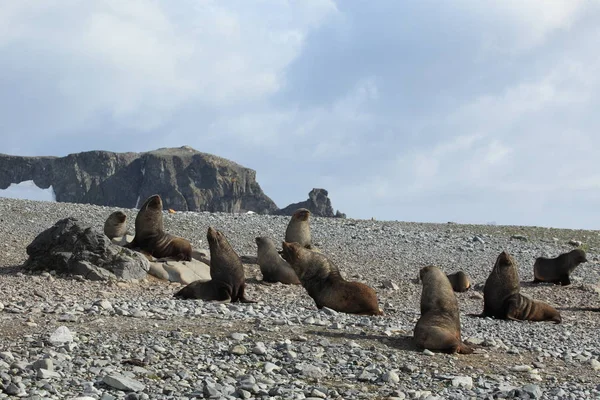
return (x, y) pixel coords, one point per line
(186, 179)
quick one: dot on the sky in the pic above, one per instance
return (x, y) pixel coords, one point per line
(464, 111)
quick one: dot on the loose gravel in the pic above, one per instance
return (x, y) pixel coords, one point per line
(62, 337)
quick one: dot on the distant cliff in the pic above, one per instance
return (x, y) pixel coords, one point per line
(186, 179)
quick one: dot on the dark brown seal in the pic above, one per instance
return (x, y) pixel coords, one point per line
(460, 281)
(558, 270)
(324, 283)
(115, 225)
(438, 328)
(298, 229)
(273, 267)
(151, 237)
(228, 280)
(502, 300)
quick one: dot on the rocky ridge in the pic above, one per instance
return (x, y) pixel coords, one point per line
(61, 337)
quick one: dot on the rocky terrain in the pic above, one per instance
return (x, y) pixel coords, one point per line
(63, 338)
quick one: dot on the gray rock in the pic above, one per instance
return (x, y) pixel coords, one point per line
(533, 391)
(465, 382)
(121, 382)
(72, 248)
(61, 336)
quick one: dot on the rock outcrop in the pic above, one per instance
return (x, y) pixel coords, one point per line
(70, 248)
(186, 179)
(318, 204)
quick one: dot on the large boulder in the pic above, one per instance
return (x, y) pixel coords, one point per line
(186, 179)
(318, 204)
(68, 247)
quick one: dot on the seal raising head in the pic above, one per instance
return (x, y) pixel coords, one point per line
(438, 328)
(228, 282)
(272, 266)
(502, 300)
(115, 225)
(324, 283)
(298, 229)
(151, 237)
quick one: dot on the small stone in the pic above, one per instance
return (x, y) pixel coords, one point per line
(390, 377)
(521, 368)
(478, 239)
(388, 284)
(574, 242)
(595, 364)
(259, 348)
(238, 350)
(476, 296)
(45, 374)
(269, 367)
(61, 335)
(329, 311)
(474, 341)
(121, 382)
(465, 382)
(533, 391)
(519, 237)
(428, 352)
(318, 394)
(237, 336)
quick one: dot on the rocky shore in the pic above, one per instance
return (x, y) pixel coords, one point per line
(62, 337)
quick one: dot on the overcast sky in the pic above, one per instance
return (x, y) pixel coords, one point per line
(466, 111)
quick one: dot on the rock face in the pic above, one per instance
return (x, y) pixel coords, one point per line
(318, 204)
(68, 247)
(186, 179)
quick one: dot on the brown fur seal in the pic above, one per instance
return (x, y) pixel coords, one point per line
(151, 237)
(115, 225)
(298, 229)
(323, 282)
(228, 281)
(273, 267)
(557, 270)
(438, 328)
(460, 281)
(502, 300)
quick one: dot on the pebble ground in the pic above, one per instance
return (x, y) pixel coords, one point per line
(65, 338)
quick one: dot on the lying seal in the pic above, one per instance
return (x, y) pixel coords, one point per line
(115, 225)
(323, 282)
(228, 281)
(460, 281)
(502, 300)
(298, 229)
(557, 270)
(438, 328)
(150, 236)
(273, 267)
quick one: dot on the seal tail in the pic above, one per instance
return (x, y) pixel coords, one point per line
(462, 348)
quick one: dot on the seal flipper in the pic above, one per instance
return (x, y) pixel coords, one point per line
(242, 296)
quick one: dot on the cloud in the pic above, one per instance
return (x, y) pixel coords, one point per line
(459, 111)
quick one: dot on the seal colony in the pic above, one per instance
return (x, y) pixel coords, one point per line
(437, 329)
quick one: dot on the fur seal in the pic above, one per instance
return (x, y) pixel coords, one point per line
(460, 281)
(324, 283)
(438, 328)
(502, 300)
(273, 267)
(115, 225)
(228, 280)
(298, 229)
(151, 237)
(557, 270)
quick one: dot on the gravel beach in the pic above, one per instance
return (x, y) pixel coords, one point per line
(62, 337)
